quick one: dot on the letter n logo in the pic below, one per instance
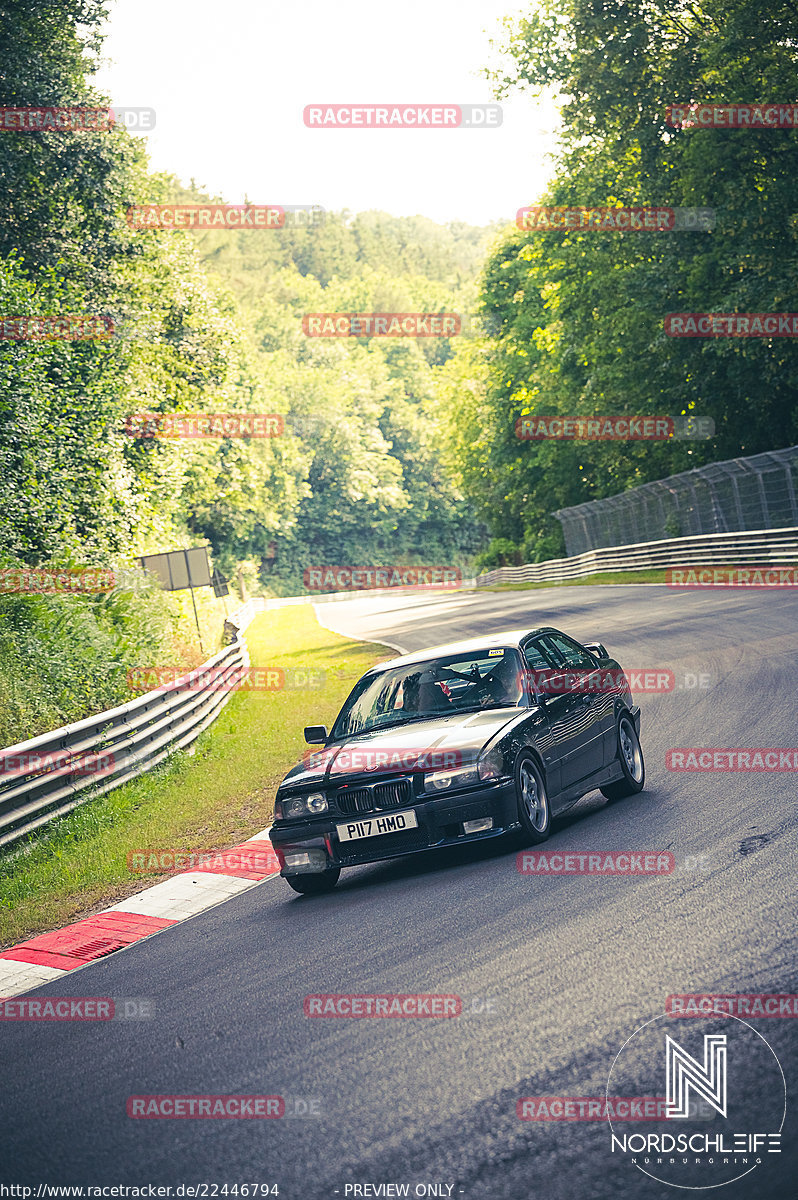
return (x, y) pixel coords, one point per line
(684, 1072)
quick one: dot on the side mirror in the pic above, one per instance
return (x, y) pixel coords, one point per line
(316, 735)
(597, 648)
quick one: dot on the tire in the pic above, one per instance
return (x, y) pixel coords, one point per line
(312, 884)
(630, 756)
(534, 813)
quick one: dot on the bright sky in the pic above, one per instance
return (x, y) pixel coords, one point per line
(229, 83)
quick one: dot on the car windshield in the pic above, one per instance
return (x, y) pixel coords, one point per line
(453, 683)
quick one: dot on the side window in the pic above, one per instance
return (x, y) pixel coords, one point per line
(536, 658)
(567, 653)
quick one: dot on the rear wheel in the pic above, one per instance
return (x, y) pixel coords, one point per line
(630, 756)
(533, 803)
(313, 885)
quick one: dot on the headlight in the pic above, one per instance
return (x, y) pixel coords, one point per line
(300, 806)
(440, 780)
(491, 765)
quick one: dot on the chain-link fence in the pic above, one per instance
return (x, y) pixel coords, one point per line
(726, 497)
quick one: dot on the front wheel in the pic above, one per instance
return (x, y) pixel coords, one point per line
(630, 756)
(533, 803)
(313, 885)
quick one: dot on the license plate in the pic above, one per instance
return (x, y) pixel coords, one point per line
(374, 826)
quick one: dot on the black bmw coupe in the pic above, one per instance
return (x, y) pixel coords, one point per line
(457, 743)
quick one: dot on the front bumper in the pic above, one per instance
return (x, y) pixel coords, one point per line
(440, 823)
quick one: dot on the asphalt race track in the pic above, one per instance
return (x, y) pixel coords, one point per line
(555, 972)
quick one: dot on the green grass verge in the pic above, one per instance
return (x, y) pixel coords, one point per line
(647, 576)
(215, 798)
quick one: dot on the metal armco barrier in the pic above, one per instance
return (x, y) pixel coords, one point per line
(55, 772)
(771, 546)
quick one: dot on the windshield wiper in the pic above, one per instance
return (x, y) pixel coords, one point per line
(481, 707)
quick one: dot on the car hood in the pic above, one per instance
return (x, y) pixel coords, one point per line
(446, 741)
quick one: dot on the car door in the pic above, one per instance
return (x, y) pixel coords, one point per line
(566, 714)
(592, 709)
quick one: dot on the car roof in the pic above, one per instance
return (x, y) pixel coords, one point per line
(505, 638)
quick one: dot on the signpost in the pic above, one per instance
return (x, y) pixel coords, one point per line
(179, 569)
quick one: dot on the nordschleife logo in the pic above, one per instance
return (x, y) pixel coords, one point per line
(725, 1101)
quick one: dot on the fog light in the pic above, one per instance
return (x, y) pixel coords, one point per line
(306, 860)
(478, 826)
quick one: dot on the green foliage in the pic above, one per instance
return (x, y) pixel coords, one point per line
(65, 657)
(363, 463)
(203, 323)
(579, 315)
